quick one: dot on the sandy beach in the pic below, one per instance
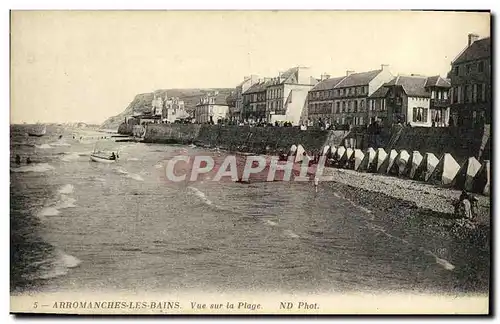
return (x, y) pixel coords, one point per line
(437, 201)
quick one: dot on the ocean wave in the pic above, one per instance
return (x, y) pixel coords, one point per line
(135, 177)
(49, 211)
(65, 202)
(200, 195)
(58, 266)
(59, 143)
(291, 234)
(66, 189)
(36, 167)
(270, 222)
(121, 171)
(43, 146)
(94, 178)
(158, 166)
(70, 157)
(133, 159)
(442, 262)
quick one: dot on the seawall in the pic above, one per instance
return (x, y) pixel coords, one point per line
(242, 138)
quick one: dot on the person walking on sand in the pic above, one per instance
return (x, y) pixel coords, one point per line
(316, 183)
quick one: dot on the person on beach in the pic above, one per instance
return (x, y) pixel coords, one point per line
(316, 183)
(18, 159)
(464, 206)
(28, 160)
(113, 156)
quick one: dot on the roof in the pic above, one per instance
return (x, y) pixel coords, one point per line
(358, 79)
(258, 87)
(327, 84)
(414, 86)
(478, 50)
(380, 92)
(437, 81)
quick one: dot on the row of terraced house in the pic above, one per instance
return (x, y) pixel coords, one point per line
(463, 98)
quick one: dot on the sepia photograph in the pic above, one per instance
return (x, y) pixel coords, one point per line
(307, 162)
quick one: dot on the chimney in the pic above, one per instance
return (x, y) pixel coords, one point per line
(245, 78)
(267, 79)
(384, 67)
(472, 38)
(348, 73)
(325, 76)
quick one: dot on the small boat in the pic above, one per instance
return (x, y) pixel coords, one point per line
(100, 157)
(103, 157)
(38, 130)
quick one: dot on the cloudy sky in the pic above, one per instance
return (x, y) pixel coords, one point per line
(87, 66)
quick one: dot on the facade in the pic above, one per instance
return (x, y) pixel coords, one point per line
(470, 77)
(167, 109)
(286, 95)
(212, 108)
(346, 98)
(248, 81)
(320, 99)
(231, 105)
(418, 100)
(173, 110)
(377, 107)
(254, 102)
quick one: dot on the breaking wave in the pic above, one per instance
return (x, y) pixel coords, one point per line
(43, 146)
(36, 167)
(200, 195)
(66, 189)
(442, 262)
(70, 157)
(58, 266)
(135, 177)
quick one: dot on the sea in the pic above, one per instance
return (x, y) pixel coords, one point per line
(77, 225)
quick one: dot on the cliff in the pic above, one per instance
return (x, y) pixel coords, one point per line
(142, 102)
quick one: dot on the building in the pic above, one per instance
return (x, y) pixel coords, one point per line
(231, 104)
(168, 109)
(173, 110)
(236, 108)
(254, 102)
(212, 108)
(346, 97)
(320, 99)
(470, 77)
(157, 105)
(286, 95)
(377, 107)
(418, 100)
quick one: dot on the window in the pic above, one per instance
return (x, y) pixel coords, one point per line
(337, 110)
(474, 93)
(355, 106)
(480, 66)
(362, 105)
(466, 93)
(468, 68)
(366, 89)
(383, 105)
(457, 70)
(343, 106)
(361, 120)
(420, 114)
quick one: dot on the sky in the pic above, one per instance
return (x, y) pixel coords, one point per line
(69, 66)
